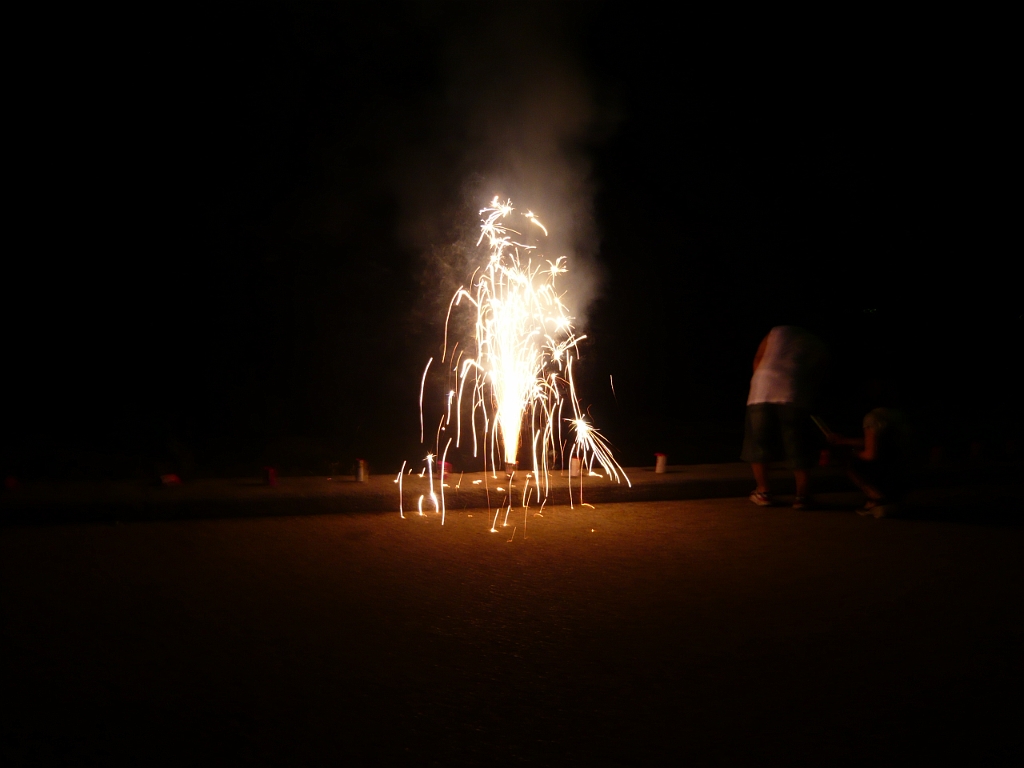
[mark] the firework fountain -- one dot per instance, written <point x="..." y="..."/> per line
<point x="515" y="377"/>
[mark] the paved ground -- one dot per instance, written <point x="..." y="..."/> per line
<point x="248" y="497"/>
<point x="251" y="497"/>
<point x="673" y="632"/>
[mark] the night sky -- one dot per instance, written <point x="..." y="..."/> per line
<point x="242" y="227"/>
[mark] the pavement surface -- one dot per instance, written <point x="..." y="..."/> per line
<point x="251" y="497"/>
<point x="691" y="632"/>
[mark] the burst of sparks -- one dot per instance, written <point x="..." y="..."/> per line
<point x="520" y="370"/>
<point x="514" y="377"/>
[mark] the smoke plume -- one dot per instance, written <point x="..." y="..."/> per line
<point x="514" y="117"/>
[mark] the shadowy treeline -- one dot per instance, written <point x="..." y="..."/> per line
<point x="245" y="290"/>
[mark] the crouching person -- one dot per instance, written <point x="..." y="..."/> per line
<point x="880" y="461"/>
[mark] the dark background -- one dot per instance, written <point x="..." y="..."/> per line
<point x="238" y="229"/>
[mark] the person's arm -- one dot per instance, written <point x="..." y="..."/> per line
<point x="867" y="446"/>
<point x="853" y="442"/>
<point x="760" y="352"/>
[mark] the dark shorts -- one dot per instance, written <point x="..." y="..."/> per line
<point x="778" y="432"/>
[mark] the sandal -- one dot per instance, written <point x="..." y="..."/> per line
<point x="874" y="507"/>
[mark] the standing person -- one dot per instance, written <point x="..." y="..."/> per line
<point x="786" y="369"/>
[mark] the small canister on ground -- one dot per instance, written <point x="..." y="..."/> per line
<point x="362" y="471"/>
<point x="660" y="462"/>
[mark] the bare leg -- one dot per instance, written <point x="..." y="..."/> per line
<point x="760" y="476"/>
<point x="801" y="481"/>
<point x="869" y="490"/>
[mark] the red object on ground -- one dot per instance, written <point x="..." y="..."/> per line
<point x="11" y="483"/>
<point x="270" y="476"/>
<point x="170" y="480"/>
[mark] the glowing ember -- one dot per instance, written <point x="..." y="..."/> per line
<point x="517" y="376"/>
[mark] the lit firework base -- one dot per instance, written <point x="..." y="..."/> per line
<point x="514" y="389"/>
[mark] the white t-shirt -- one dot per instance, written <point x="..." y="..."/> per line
<point x="789" y="368"/>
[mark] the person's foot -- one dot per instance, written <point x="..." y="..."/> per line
<point x="878" y="508"/>
<point x="802" y="502"/>
<point x="761" y="498"/>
